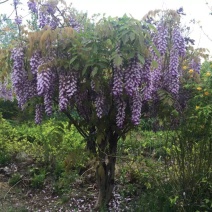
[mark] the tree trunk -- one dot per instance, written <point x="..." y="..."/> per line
<point x="91" y="144"/>
<point x="105" y="171"/>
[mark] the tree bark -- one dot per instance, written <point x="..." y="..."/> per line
<point x="91" y="143"/>
<point x="105" y="171"/>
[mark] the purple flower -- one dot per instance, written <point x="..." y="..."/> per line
<point x="38" y="113"/>
<point x="67" y="88"/>
<point x="32" y="6"/>
<point x="120" y="115"/>
<point x="136" y="108"/>
<point x="16" y="2"/>
<point x="117" y="82"/>
<point x="160" y="39"/>
<point x="195" y="64"/>
<point x="178" y="41"/>
<point x="18" y="20"/>
<point x="132" y="77"/>
<point x="100" y="105"/>
<point x="172" y="76"/>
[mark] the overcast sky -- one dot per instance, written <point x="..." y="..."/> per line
<point x="194" y="9"/>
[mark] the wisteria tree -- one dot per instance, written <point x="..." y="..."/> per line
<point x="102" y="74"/>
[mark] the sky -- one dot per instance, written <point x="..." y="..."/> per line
<point x="194" y="9"/>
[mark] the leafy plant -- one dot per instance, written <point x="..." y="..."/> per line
<point x="37" y="180"/>
<point x="16" y="178"/>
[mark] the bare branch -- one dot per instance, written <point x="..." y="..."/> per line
<point x="3" y="1"/>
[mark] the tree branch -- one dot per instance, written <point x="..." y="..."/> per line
<point x="3" y="1"/>
<point x="16" y="12"/>
<point x="80" y="130"/>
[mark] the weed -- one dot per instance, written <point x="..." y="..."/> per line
<point x="15" y="179"/>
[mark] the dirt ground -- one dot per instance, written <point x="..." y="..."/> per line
<point x="82" y="197"/>
<point x="22" y="199"/>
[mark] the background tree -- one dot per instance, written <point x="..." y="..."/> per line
<point x="8" y="31"/>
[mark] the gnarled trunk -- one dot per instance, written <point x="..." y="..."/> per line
<point x="91" y="143"/>
<point x="105" y="171"/>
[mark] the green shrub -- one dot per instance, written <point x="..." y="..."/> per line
<point x="37" y="181"/>
<point x="188" y="161"/>
<point x="5" y="158"/>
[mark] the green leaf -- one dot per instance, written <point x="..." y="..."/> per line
<point x="169" y="101"/>
<point x="95" y="49"/>
<point x="125" y="38"/>
<point x="152" y="27"/>
<point x="72" y="60"/>
<point x="117" y="60"/>
<point x="141" y="59"/>
<point x="94" y="71"/>
<point x="132" y="36"/>
<point x="154" y="64"/>
<point x="156" y="50"/>
<point x="84" y="70"/>
<point x="100" y="137"/>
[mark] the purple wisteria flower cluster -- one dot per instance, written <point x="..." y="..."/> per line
<point x="67" y="88"/>
<point x="195" y="64"/>
<point x="45" y="84"/>
<point x="33" y="7"/>
<point x="18" y="20"/>
<point x="136" y="108"/>
<point x="120" y="117"/>
<point x="46" y="13"/>
<point x="160" y="38"/>
<point x="6" y="93"/>
<point x="177" y="50"/>
<point x="18" y="74"/>
<point x="100" y="104"/>
<point x="38" y="113"/>
<point x="130" y="82"/>
<point x="118" y="78"/>
<point x="132" y="77"/>
<point x="162" y="76"/>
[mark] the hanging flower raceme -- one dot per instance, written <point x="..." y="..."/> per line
<point x="160" y="38"/>
<point x="5" y="93"/>
<point x="117" y="82"/>
<point x="75" y="24"/>
<point x="173" y="72"/>
<point x="178" y="42"/>
<point x="46" y="83"/>
<point x="195" y="65"/>
<point x="16" y="2"/>
<point x="33" y="7"/>
<point x="18" y="20"/>
<point x="120" y="115"/>
<point x="177" y="50"/>
<point x="35" y="62"/>
<point x="67" y="88"/>
<point x="136" y="108"/>
<point x="132" y="77"/>
<point x="38" y="113"/>
<point x="100" y="104"/>
<point x="47" y="15"/>
<point x="48" y="101"/>
<point x="19" y="75"/>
